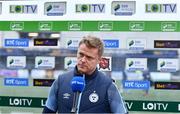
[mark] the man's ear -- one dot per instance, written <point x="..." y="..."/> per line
<point x="99" y="59"/>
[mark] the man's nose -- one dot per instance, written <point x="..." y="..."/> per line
<point x="83" y="59"/>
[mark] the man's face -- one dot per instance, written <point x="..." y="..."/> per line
<point x="87" y="59"/>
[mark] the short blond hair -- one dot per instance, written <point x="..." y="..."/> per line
<point x="93" y="42"/>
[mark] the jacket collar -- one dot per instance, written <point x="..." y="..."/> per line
<point x="87" y="77"/>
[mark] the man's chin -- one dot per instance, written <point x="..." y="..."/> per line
<point x="81" y="71"/>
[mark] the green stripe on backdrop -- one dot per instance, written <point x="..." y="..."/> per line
<point x="55" y="26"/>
<point x="132" y="105"/>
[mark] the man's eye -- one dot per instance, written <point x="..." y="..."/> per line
<point x="80" y="54"/>
<point x="89" y="58"/>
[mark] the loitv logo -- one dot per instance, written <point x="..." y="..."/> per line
<point x="155" y="106"/>
<point x="23" y="9"/>
<point x="161" y="8"/>
<point x="20" y="102"/>
<point x="129" y="105"/>
<point x="90" y="8"/>
<point x="43" y="102"/>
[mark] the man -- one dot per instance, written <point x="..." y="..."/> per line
<point x="100" y="94"/>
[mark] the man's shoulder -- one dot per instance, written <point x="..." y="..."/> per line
<point x="104" y="77"/>
<point x="66" y="75"/>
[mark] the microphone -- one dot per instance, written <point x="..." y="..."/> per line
<point x="77" y="84"/>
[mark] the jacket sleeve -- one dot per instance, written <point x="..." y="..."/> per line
<point x="116" y="101"/>
<point x="47" y="110"/>
<point x="51" y="103"/>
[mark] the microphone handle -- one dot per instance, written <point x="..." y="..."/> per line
<point x="73" y="110"/>
<point x="79" y="101"/>
<point x="75" y="102"/>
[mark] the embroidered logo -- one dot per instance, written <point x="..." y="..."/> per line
<point x="66" y="95"/>
<point x="93" y="97"/>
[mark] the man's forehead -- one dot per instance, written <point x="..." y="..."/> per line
<point x="93" y="52"/>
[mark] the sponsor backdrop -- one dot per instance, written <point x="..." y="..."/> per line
<point x="102" y="10"/>
<point x="39" y="41"/>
